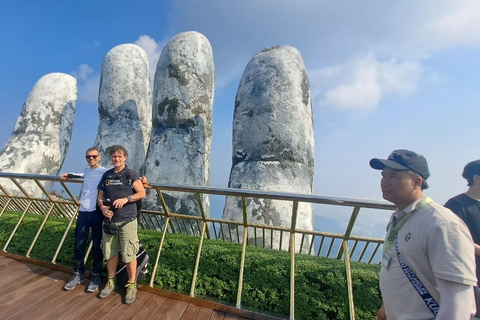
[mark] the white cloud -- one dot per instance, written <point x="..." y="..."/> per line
<point x="361" y="84"/>
<point x="94" y="44"/>
<point x="153" y="50"/>
<point x="88" y="83"/>
<point x="88" y="90"/>
<point x="458" y="24"/>
<point x="83" y="72"/>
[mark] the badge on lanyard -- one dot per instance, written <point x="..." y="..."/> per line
<point x="396" y="226"/>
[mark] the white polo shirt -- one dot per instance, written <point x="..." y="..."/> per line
<point x="435" y="244"/>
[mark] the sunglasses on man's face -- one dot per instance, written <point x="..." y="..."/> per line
<point x="91" y="157"/>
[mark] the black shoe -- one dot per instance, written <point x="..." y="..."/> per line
<point x="94" y="282"/>
<point x="76" y="279"/>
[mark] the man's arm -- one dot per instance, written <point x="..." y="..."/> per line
<point x="381" y="315"/>
<point x="105" y="209"/>
<point x="145" y="183"/>
<point x="454" y="297"/>
<point x="139" y="194"/>
<point x="71" y="175"/>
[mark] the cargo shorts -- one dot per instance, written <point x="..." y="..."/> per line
<point x="126" y="241"/>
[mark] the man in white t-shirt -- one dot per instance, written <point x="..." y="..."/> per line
<point x="425" y="241"/>
<point x="89" y="217"/>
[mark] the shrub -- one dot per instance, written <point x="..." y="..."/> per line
<point x="320" y="283"/>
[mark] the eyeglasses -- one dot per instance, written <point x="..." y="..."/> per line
<point x="91" y="157"/>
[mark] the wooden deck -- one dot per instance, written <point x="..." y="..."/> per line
<point x="31" y="289"/>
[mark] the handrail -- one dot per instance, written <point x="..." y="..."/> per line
<point x="212" y="228"/>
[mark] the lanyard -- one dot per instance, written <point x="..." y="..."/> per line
<point x="387" y="245"/>
<point x="417" y="284"/>
<point x="393" y="232"/>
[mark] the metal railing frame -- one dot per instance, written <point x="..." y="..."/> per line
<point x="24" y="202"/>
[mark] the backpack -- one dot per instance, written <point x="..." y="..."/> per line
<point x="142" y="263"/>
<point x="128" y="173"/>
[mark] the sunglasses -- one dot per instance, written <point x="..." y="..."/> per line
<point x="91" y="157"/>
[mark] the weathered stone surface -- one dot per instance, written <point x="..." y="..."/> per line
<point x="124" y="104"/>
<point x="179" y="150"/>
<point x="41" y="137"/>
<point x="273" y="144"/>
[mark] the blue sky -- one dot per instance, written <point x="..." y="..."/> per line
<point x="383" y="75"/>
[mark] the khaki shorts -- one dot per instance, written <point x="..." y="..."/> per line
<point x="126" y="240"/>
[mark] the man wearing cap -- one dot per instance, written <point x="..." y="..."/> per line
<point x="428" y="265"/>
<point x="467" y="205"/>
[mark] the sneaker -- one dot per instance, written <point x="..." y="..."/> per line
<point x="94" y="282"/>
<point x="109" y="287"/>
<point x="131" y="292"/>
<point x="76" y="279"/>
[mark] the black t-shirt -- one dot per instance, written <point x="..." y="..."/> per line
<point x="468" y="209"/>
<point x="120" y="185"/>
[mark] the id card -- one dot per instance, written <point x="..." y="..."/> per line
<point x="386" y="252"/>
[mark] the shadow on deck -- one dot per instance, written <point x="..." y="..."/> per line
<point x="32" y="289"/>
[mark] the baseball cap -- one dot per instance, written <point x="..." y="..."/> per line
<point x="471" y="169"/>
<point x="405" y="160"/>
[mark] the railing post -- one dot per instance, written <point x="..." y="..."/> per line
<point x="200" y="245"/>
<point x="244" y="250"/>
<point x="292" y="259"/>
<point x="349" y="229"/>
<point x="64" y="235"/>
<point x="165" y="230"/>
<point x="39" y="230"/>
<point x="348" y="276"/>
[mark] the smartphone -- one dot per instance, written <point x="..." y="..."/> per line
<point x="107" y="203"/>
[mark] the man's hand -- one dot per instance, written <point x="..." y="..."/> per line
<point x="107" y="213"/>
<point x="145" y="183"/>
<point x="119" y="203"/>
<point x="381" y="315"/>
<point x="63" y="176"/>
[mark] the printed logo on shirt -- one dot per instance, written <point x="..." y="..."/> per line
<point x="113" y="182"/>
<point x="408" y="236"/>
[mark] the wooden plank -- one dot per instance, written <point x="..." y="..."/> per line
<point x="108" y="306"/>
<point x="60" y="298"/>
<point x="204" y="314"/>
<point x="150" y="308"/>
<point x="164" y="309"/>
<point x="85" y="309"/>
<point x="22" y="286"/>
<point x="32" y="289"/>
<point x="177" y="311"/>
<point x="230" y="316"/>
<point x="142" y="300"/>
<point x="33" y="302"/>
<point x="190" y="312"/>
<point x="217" y="315"/>
<point x="5" y="262"/>
<point x="18" y="272"/>
<point x="77" y="300"/>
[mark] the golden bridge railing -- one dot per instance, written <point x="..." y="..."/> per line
<point x="15" y="197"/>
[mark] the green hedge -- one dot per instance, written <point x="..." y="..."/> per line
<point x="320" y="284"/>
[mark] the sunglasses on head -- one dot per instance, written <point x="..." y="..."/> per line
<point x="91" y="157"/>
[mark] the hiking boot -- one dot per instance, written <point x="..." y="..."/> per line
<point x="131" y="293"/>
<point x="76" y="279"/>
<point x="94" y="282"/>
<point x="109" y="287"/>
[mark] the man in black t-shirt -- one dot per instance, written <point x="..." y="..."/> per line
<point x="118" y="191"/>
<point x="467" y="206"/>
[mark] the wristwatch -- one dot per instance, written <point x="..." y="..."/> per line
<point x="129" y="199"/>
